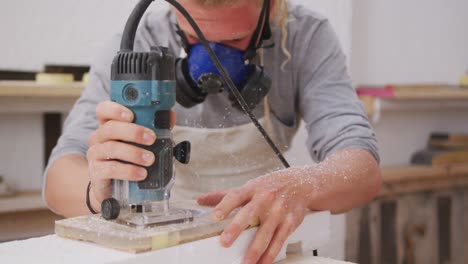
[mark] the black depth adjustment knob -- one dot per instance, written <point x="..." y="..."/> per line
<point x="110" y="209"/>
<point x="182" y="152"/>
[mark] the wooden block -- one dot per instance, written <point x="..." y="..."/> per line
<point x="136" y="240"/>
<point x="314" y="232"/>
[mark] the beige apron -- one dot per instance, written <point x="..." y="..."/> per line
<point x="224" y="157"/>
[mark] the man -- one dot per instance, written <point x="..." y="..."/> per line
<point x="309" y="81"/>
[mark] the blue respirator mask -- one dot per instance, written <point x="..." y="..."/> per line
<point x="197" y="77"/>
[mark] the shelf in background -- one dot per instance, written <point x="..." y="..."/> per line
<point x="22" y="201"/>
<point x="411" y="179"/>
<point x="34" y="89"/>
<point x="412" y="98"/>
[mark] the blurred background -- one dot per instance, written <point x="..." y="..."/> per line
<point x="409" y="63"/>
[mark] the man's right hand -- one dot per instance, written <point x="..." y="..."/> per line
<point x="107" y="149"/>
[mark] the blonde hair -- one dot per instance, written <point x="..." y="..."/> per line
<point x="280" y="17"/>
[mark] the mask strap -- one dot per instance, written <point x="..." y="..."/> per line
<point x="266" y="103"/>
<point x="183" y="38"/>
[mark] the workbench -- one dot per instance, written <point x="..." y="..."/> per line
<point x="313" y="233"/>
<point x="52" y="249"/>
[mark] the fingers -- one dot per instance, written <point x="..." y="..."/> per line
<point x="104" y="170"/>
<point x="243" y="219"/>
<point x="173" y="119"/>
<point x="233" y="199"/>
<point x="114" y="150"/>
<point x="108" y="110"/>
<point x="128" y="132"/>
<point x="212" y="199"/>
<point x="260" y="243"/>
<point x="282" y="233"/>
<point x="101" y="190"/>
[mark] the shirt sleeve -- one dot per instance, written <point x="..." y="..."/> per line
<point x="81" y="121"/>
<point x="334" y="116"/>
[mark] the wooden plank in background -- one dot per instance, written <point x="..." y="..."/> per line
<point x="33" y="89"/>
<point x="353" y="219"/>
<point x="422" y="220"/>
<point x="375" y="233"/>
<point x="388" y="238"/>
<point x="77" y="71"/>
<point x="429" y="92"/>
<point x="444" y="207"/>
<point x="425" y="227"/>
<point x="365" y="245"/>
<point x="415" y="92"/>
<point x="464" y="230"/>
<point x="458" y="224"/>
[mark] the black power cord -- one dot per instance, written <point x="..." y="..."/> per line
<point x="229" y="81"/>
<point x="128" y="41"/>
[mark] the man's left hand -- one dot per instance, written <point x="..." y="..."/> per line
<point x="278" y="201"/>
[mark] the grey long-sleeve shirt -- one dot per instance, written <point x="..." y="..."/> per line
<point x="314" y="86"/>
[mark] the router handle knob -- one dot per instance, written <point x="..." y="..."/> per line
<point x="110" y="209"/>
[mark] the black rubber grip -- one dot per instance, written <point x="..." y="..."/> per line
<point x="162" y="120"/>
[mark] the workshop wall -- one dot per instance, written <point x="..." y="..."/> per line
<point x="410" y="42"/>
<point x="55" y="31"/>
<point x="71" y="32"/>
<point x="414" y="41"/>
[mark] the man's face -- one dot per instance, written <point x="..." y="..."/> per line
<point x="230" y="25"/>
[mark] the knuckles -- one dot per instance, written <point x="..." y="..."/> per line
<point x="107" y="128"/>
<point x="105" y="107"/>
<point x="100" y="109"/>
<point x="92" y="139"/>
